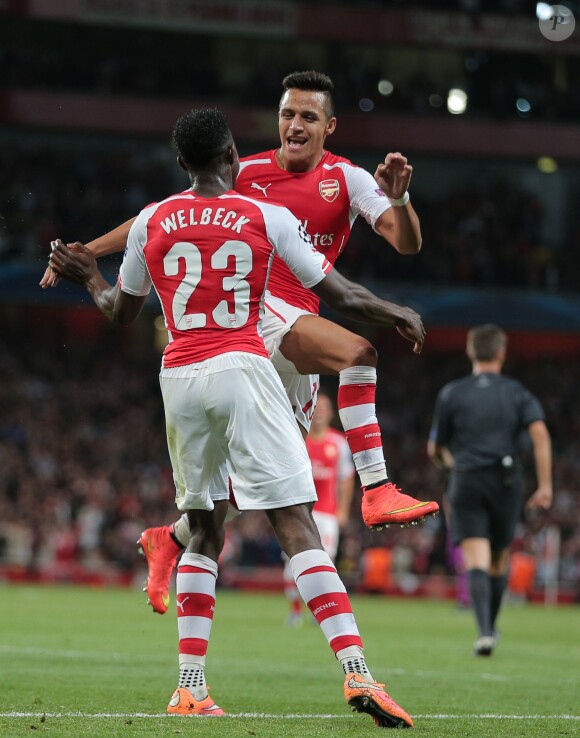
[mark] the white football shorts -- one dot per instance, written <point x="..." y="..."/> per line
<point x="301" y="389"/>
<point x="328" y="528"/>
<point x="229" y="415"/>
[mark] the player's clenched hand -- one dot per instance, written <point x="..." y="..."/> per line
<point x="410" y="326"/>
<point x="73" y="262"/>
<point x="394" y="176"/>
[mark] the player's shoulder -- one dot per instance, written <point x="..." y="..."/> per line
<point x="159" y="207"/>
<point x="334" y="160"/>
<point x="263" y="159"/>
<point x="333" y="167"/>
<point x="456" y="386"/>
<point x="509" y="381"/>
<point x="515" y="388"/>
<point x="172" y="200"/>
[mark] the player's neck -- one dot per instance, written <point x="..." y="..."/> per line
<point x="298" y="166"/>
<point x="211" y="184"/>
<point x="317" y="434"/>
<point x="487" y="367"/>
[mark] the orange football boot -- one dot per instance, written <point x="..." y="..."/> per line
<point x="182" y="702"/>
<point x="161" y="552"/>
<point x="371" y="697"/>
<point x="387" y="505"/>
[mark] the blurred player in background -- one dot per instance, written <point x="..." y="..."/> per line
<point x="207" y="252"/>
<point x="326" y="193"/>
<point x="333" y="473"/>
<point x="476" y="435"/>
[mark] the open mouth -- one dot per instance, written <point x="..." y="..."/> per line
<point x="296" y="143"/>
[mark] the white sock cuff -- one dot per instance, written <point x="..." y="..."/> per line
<point x="202" y="562"/>
<point x="350" y="652"/>
<point x="191" y="661"/>
<point x="309" y="559"/>
<point x="358" y="375"/>
<point x="181" y="529"/>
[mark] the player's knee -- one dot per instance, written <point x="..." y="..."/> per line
<point x="362" y="353"/>
<point x="207" y="537"/>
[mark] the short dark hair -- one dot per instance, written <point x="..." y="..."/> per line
<point x="201" y="135"/>
<point x="313" y="81"/>
<point x="484" y="342"/>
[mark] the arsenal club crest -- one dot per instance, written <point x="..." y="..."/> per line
<point x="329" y="189"/>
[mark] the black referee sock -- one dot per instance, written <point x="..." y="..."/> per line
<point x="480" y="591"/>
<point x="497" y="586"/>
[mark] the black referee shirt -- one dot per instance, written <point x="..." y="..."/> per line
<point x="480" y="417"/>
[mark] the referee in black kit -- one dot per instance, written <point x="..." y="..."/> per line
<point x="475" y="434"/>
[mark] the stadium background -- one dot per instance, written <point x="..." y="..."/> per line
<point x="89" y="91"/>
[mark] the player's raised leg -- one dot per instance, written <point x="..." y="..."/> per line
<point x="317" y="346"/>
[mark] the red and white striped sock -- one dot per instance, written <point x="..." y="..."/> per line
<point x="325" y="595"/>
<point x="195" y="583"/>
<point x="357" y="410"/>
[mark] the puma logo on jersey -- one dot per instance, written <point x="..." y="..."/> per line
<point x="256" y="186"/>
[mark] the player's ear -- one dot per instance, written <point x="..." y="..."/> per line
<point x="181" y="163"/>
<point x="330" y="126"/>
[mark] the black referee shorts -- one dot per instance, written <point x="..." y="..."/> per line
<point x="483" y="505"/>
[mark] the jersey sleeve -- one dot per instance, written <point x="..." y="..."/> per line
<point x="134" y="276"/>
<point x="366" y="197"/>
<point x="292" y="243"/>
<point x="530" y="407"/>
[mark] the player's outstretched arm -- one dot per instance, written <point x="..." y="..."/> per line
<point x="356" y="302"/>
<point x="399" y="225"/>
<point x="77" y="263"/>
<point x="112" y="242"/>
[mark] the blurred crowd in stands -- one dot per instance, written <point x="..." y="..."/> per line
<point x="83" y="460"/>
<point x="84" y="466"/>
<point x="477" y="234"/>
<point x="247" y="70"/>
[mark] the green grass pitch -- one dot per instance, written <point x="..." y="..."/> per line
<point x="90" y="662"/>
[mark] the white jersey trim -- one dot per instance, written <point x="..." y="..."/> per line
<point x="249" y="162"/>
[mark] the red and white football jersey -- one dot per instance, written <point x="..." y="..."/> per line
<point x="331" y="463"/>
<point x="326" y="200"/>
<point x="208" y="259"/>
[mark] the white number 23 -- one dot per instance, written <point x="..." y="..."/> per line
<point x="235" y="283"/>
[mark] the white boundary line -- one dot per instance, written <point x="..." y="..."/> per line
<point x="271" y="716"/>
